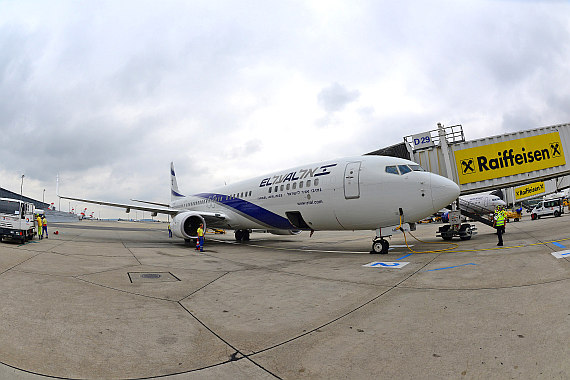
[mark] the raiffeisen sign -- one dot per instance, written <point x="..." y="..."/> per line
<point x="509" y="158"/>
<point x="529" y="190"/>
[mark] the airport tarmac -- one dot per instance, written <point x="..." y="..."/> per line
<point x="112" y="300"/>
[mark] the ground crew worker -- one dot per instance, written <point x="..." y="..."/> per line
<point x="169" y="231"/>
<point x="200" y="241"/>
<point x="44" y="227"/>
<point x="40" y="229"/>
<point x="499" y="224"/>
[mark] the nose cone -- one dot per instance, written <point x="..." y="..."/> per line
<point x="443" y="191"/>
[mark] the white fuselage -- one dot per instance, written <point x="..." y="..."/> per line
<point x="363" y="192"/>
<point x="485" y="201"/>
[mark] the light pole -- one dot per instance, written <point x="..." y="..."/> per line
<point x="22" y="188"/>
<point x="44" y="196"/>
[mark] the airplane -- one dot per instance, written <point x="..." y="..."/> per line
<point x="353" y="193"/>
<point x="486" y="201"/>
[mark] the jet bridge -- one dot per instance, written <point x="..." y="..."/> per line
<point x="501" y="161"/>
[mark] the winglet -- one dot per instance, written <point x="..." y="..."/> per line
<point x="174" y="192"/>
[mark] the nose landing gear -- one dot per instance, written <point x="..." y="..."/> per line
<point x="380" y="245"/>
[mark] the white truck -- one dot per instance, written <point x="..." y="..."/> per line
<point x="548" y="207"/>
<point x="17" y="221"/>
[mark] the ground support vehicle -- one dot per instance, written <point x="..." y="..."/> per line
<point x="513" y="215"/>
<point x="455" y="228"/>
<point x="16" y="220"/>
<point x="547" y="207"/>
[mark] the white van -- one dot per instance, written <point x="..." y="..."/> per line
<point x="547" y="207"/>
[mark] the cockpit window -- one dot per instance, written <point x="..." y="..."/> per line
<point x="416" y="168"/>
<point x="404" y="169"/>
<point x="392" y="170"/>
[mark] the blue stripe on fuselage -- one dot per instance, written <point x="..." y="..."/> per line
<point x="260" y="214"/>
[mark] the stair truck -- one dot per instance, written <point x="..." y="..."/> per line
<point x="17" y="221"/>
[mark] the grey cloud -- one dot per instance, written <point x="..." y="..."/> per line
<point x="336" y="97"/>
<point x="241" y="151"/>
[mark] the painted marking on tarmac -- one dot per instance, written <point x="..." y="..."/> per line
<point x="561" y="254"/>
<point x="558" y="244"/>
<point x="455" y="266"/>
<point x="403" y="257"/>
<point x="386" y="264"/>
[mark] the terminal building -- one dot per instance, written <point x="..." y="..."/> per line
<point x="10" y="194"/>
<point x="51" y="215"/>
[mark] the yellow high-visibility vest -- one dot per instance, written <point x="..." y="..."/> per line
<point x="200" y="232"/>
<point x="500" y="219"/>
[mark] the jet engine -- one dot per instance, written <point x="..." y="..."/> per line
<point x="284" y="232"/>
<point x="185" y="225"/>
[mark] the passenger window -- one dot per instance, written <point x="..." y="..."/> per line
<point x="282" y="187"/>
<point x="276" y="188"/>
<point x="288" y="186"/>
<point x="404" y="169"/>
<point x="316" y="182"/>
<point x="294" y="185"/>
<point x="308" y="183"/>
<point x="392" y="170"/>
<point x="270" y="189"/>
<point x="301" y="185"/>
<point x="250" y="193"/>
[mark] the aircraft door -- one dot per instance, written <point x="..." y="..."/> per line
<point x="352" y="180"/>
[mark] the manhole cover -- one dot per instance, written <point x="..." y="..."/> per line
<point x="152" y="277"/>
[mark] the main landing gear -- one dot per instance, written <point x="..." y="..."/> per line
<point x="242" y="235"/>
<point x="379" y="244"/>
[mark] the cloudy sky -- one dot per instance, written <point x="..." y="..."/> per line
<point x="107" y="93"/>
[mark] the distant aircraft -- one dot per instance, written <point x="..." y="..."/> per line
<point x="487" y="201"/>
<point x="354" y="193"/>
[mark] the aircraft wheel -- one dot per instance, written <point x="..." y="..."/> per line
<point x="239" y="235"/>
<point x="380" y="246"/>
<point x="245" y="235"/>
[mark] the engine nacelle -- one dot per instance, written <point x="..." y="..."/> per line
<point x="284" y="232"/>
<point x="185" y="225"/>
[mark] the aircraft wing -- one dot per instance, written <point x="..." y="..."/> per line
<point x="213" y="218"/>
<point x="158" y="210"/>
<point x="151" y="203"/>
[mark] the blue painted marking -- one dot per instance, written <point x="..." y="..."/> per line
<point x="564" y="254"/>
<point x="385" y="265"/>
<point x="403" y="257"/>
<point x="252" y="210"/>
<point x="456" y="266"/>
<point x="558" y="244"/>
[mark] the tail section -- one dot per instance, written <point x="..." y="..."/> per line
<point x="174" y="192"/>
